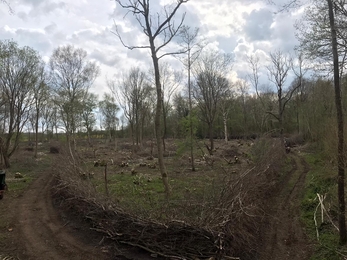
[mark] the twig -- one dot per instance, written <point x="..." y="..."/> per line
<point x="315" y="221"/>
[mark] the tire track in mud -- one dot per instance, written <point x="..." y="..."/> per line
<point x="285" y="236"/>
<point x="42" y="233"/>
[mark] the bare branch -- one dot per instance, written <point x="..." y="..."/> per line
<point x="125" y="45"/>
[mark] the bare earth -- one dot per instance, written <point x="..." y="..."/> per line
<point x="38" y="231"/>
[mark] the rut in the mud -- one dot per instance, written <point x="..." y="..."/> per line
<point x="286" y="238"/>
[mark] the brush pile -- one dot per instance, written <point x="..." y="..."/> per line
<point x="226" y="227"/>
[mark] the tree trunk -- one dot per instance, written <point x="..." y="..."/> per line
<point x="225" y="120"/>
<point x="132" y="137"/>
<point x="164" y="124"/>
<point x="210" y="134"/>
<point x="339" y="113"/>
<point x="36" y="133"/>
<point x="106" y="182"/>
<point x="190" y="115"/>
<point x="88" y="136"/>
<point x="7" y="162"/>
<point x="158" y="126"/>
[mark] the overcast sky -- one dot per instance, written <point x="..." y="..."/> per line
<point x="240" y="27"/>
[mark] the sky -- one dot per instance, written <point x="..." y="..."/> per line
<point x="239" y="27"/>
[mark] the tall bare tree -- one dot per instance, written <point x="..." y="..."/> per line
<point x="314" y="34"/>
<point x="278" y="70"/>
<point x="71" y="77"/>
<point x="159" y="30"/>
<point x="193" y="45"/>
<point x="40" y="98"/>
<point x="88" y="114"/>
<point x="211" y="86"/>
<point x="243" y="88"/>
<point x="254" y="77"/>
<point x="133" y="93"/>
<point x="170" y="81"/>
<point x="340" y="126"/>
<point x="109" y="110"/>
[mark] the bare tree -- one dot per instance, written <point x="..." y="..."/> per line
<point x="19" y="72"/>
<point x="71" y="77"/>
<point x="281" y="65"/>
<point x="170" y="81"/>
<point x="211" y="86"/>
<point x="340" y="125"/>
<point x="88" y="115"/>
<point x="314" y="34"/>
<point x="132" y="94"/>
<point x="299" y="70"/>
<point x="159" y="31"/>
<point x="193" y="46"/>
<point x="40" y="98"/>
<point x="243" y="88"/>
<point x="331" y="46"/>
<point x="46" y="118"/>
<point x="254" y="77"/>
<point x="109" y="110"/>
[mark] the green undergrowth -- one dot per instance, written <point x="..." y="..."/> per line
<point x="29" y="168"/>
<point x="322" y="180"/>
<point x="143" y="194"/>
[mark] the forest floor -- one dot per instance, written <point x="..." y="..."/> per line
<point x="31" y="227"/>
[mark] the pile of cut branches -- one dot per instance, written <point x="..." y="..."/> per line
<point x="228" y="227"/>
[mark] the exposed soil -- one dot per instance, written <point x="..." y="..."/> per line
<point x="284" y="235"/>
<point x="40" y="233"/>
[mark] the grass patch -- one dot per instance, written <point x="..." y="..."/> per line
<point x="29" y="167"/>
<point x="321" y="179"/>
<point x="143" y="194"/>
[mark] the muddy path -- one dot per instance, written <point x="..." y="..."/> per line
<point x="284" y="235"/>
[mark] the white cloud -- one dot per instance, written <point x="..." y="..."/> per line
<point x="241" y="27"/>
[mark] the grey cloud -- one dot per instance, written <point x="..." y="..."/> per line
<point x="105" y="37"/>
<point x="50" y="28"/>
<point x="284" y="32"/>
<point x="109" y="59"/>
<point x="241" y="52"/>
<point x="50" y="7"/>
<point x="45" y="8"/>
<point x="34" y="39"/>
<point x="33" y="2"/>
<point x="141" y="56"/>
<point x="258" y="24"/>
<point x="191" y="18"/>
<point x="22" y="15"/>
<point x="227" y="43"/>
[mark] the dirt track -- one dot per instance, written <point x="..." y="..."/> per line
<point x="286" y="238"/>
<point x="42" y="233"/>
